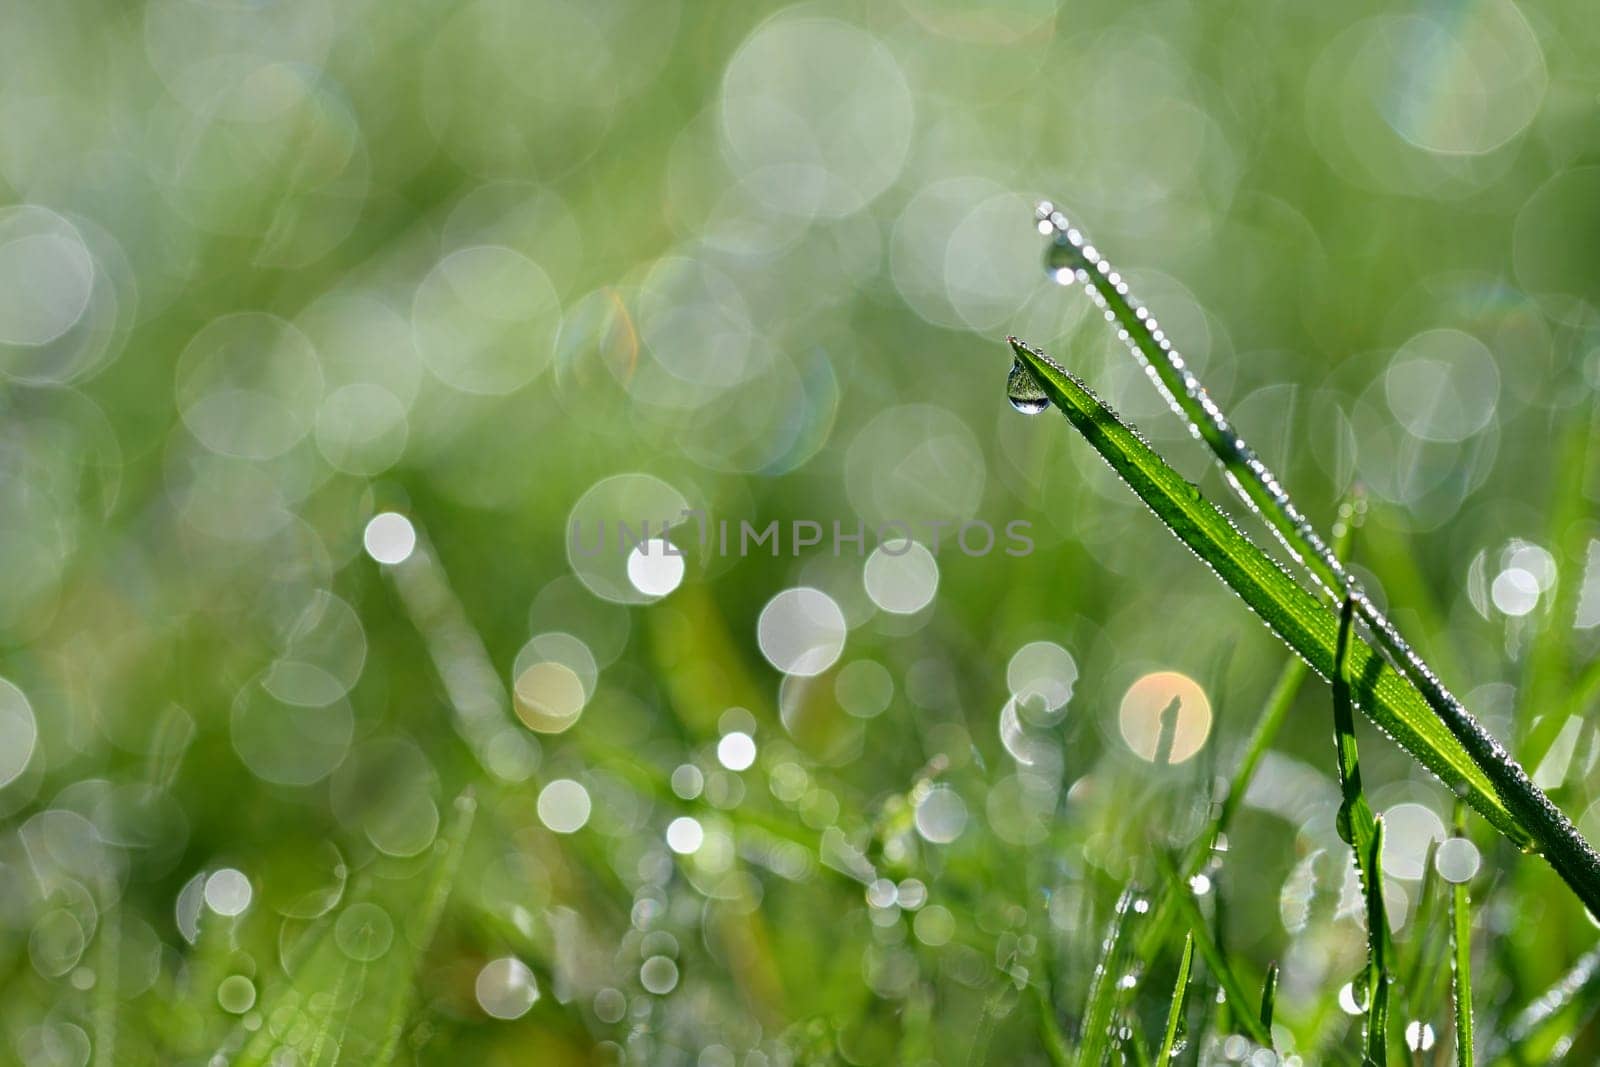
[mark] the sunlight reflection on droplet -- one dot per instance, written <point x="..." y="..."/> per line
<point x="799" y="99"/>
<point x="506" y="988"/>
<point x="736" y="751"/>
<point x="1457" y="859"/>
<point x="249" y="385"/>
<point x="1515" y="591"/>
<point x="1443" y="385"/>
<point x="549" y="697"/>
<point x="1043" y="672"/>
<point x="685" y="835"/>
<point x="801" y="631"/>
<point x="19" y="732"/>
<point x="941" y="815"/>
<point x="389" y="538"/>
<point x="228" y="892"/>
<point x="934" y="925"/>
<point x="610" y="1005"/>
<point x="863" y="688"/>
<point x="45" y="283"/>
<point x="687" y="781"/>
<point x="564" y="806"/>
<point x="659" y="975"/>
<point x="485" y="319"/>
<point x="655" y="567"/>
<point x="901" y="577"/>
<point x="1165" y="717"/>
<point x="236" y="994"/>
<point x="364" y="931"/>
<point x="1419" y="1036"/>
<point x="1408" y="830"/>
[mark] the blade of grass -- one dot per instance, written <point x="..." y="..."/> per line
<point x="1279" y="700"/>
<point x="1154" y="933"/>
<point x="1461" y="966"/>
<point x="1533" y="1024"/>
<point x="1548" y="660"/>
<point x="106" y="999"/>
<point x="1305" y="625"/>
<point x="1377" y="954"/>
<point x="1269" y="995"/>
<point x="1070" y="258"/>
<point x="1133" y="1047"/>
<point x="1180" y="996"/>
<point x="1055" y="1042"/>
<point x="1094" y="1037"/>
<point x="1416" y="962"/>
<point x="447" y="865"/>
<point x="1363" y="832"/>
<point x="1355" y="822"/>
<point x="1215" y="960"/>
<point x="1395" y="702"/>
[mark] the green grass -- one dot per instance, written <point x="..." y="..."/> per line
<point x="501" y="253"/>
<point x="1389" y="680"/>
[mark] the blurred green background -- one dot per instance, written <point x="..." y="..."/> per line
<point x="285" y="783"/>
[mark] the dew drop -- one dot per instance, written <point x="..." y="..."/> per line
<point x="1024" y="391"/>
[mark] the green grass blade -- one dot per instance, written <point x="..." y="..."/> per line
<point x="1133" y="1047"/>
<point x="1413" y="708"/>
<point x="1461" y="970"/>
<point x="1055" y="1042"/>
<point x="1094" y="1037"/>
<point x="1154" y="933"/>
<point x="1542" y="1023"/>
<point x="1237" y="995"/>
<point x="424" y="922"/>
<point x="1072" y="259"/>
<point x="1548" y="661"/>
<point x="1269" y="995"/>
<point x="1279" y="701"/>
<point x="1294" y="615"/>
<point x="1180" y="998"/>
<point x="1273" y="713"/>
<point x="1355" y="821"/>
<point x="1377" y="954"/>
<point x="1364" y="834"/>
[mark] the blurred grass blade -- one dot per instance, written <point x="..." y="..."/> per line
<point x="1180" y="998"/>
<point x="1094" y="1037"/>
<point x="1274" y="711"/>
<point x="1542" y="1024"/>
<point x="1461" y="970"/>
<point x="1279" y="701"/>
<point x="1055" y="1042"/>
<point x="1071" y="258"/>
<point x="425" y="922"/>
<point x="1377" y="954"/>
<point x="1269" y="995"/>
<point x="1292" y="613"/>
<point x="1548" y="660"/>
<point x="1235" y="990"/>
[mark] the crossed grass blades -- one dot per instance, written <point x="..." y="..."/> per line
<point x="1378" y="672"/>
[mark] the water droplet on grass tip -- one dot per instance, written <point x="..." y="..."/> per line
<point x="1024" y="391"/>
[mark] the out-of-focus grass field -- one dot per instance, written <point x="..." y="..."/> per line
<point x="327" y="330"/>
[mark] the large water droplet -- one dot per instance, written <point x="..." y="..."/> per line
<point x="1062" y="260"/>
<point x="1024" y="390"/>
